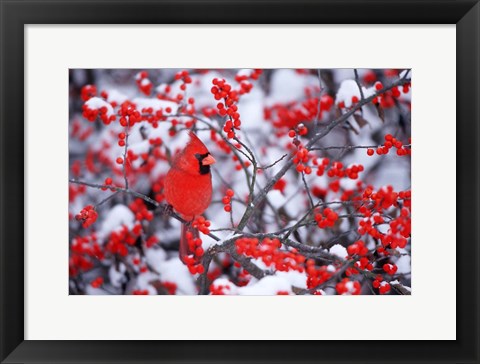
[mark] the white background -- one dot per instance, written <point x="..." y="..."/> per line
<point x="51" y="314"/>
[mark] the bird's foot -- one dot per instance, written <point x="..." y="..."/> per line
<point x="167" y="209"/>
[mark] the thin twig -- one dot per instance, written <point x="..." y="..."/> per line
<point x="274" y="163"/>
<point x="357" y="80"/>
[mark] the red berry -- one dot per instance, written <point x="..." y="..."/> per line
<point x="226" y="200"/>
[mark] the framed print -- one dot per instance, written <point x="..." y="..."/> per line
<point x="204" y="181"/>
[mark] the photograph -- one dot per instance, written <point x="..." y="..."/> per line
<point x="254" y="182"/>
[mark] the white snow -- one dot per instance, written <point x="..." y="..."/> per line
<point x="155" y="257"/>
<point x="287" y="85"/>
<point x="295" y="278"/>
<point x="175" y="271"/>
<point x="339" y="251"/>
<point x="145" y="82"/>
<point x="269" y="285"/>
<point x="96" y="103"/>
<point x="403" y="264"/>
<point x="117" y="277"/>
<point x="348" y="89"/>
<point x="276" y="198"/>
<point x="115" y="218"/>
<point x="143" y="282"/>
<point x="116" y="96"/>
<point x="228" y="288"/>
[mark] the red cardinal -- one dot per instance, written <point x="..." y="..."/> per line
<point x="188" y="186"/>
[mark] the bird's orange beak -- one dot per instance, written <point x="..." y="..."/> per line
<point x="208" y="160"/>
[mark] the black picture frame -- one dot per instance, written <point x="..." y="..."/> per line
<point x="15" y="14"/>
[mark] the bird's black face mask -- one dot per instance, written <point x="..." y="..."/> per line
<point x="203" y="168"/>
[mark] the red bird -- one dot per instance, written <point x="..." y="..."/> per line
<point x="188" y="186"/>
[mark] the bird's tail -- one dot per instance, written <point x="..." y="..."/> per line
<point x="185" y="249"/>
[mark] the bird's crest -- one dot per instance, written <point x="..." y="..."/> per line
<point x="195" y="144"/>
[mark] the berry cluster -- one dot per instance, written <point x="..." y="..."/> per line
<point x="384" y="198"/>
<point x="364" y="264"/>
<point x="87" y="216"/>
<point x="83" y="250"/>
<point x="391" y="142"/>
<point x="140" y="210"/>
<point x="361" y="264"/>
<point x="151" y="241"/>
<point x="185" y="78"/>
<point x="321" y="166"/>
<point x="202" y="225"/>
<point x="170" y="287"/>
<point x="140" y="292"/>
<point x="108" y="182"/>
<point x="224" y="91"/>
<point x="87" y="245"/>
<point x="300" y="129"/>
<point x="227" y="200"/>
<point x="317" y="276"/>
<point x="88" y="91"/>
<point x="194" y="247"/>
<point x="119" y="239"/>
<point x="400" y="227"/>
<point x="97" y="282"/>
<point x="143" y="83"/>
<point x="129" y="115"/>
<point x="75" y="191"/>
<point x="348" y="287"/>
<point x="246" y="75"/>
<point x="399" y="232"/>
<point x="78" y="263"/>
<point x="357" y="248"/>
<point x="301" y="159"/>
<point x="220" y="289"/>
<point x="386" y="99"/>
<point x="351" y="172"/>
<point x="325" y="219"/>
<point x="382" y="286"/>
<point x="390" y="269"/>
<point x="157" y="188"/>
<point x="268" y="250"/>
<point x="121" y="139"/>
<point x="290" y="114"/>
<point x="96" y="107"/>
